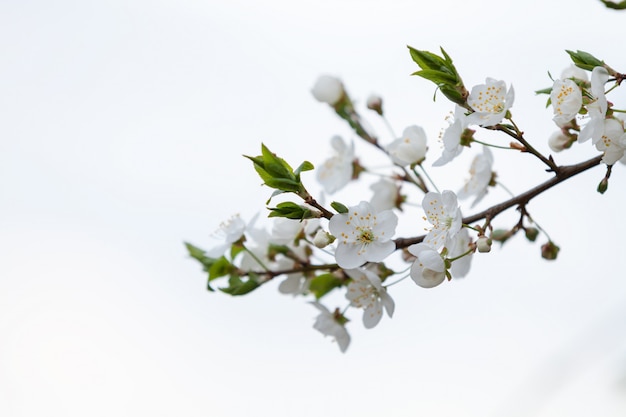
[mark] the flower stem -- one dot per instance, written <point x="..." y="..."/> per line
<point x="427" y="176"/>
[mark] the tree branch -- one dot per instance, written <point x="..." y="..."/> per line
<point x="562" y="174"/>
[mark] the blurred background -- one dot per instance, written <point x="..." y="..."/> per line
<point x="122" y="129"/>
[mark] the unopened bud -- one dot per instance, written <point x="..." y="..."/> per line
<point x="549" y="251"/>
<point x="323" y="239"/>
<point x="375" y="103"/>
<point x="532" y="233"/>
<point x="500" y="235"/>
<point x="518" y="146"/>
<point x="558" y="141"/>
<point x="603" y="186"/>
<point x="483" y="244"/>
<point x="328" y="89"/>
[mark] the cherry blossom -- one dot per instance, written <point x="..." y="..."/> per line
<point x="490" y="102"/>
<point x="386" y="195"/>
<point x="229" y="232"/>
<point x="613" y="141"/>
<point x="457" y="246"/>
<point x="366" y="291"/>
<point x="594" y="129"/>
<point x="566" y="98"/>
<point x="572" y="71"/>
<point x="410" y="148"/>
<point x="452" y="146"/>
<point x="329" y="324"/>
<point x="442" y="211"/>
<point x="429" y="269"/>
<point x="336" y="171"/>
<point x="363" y="235"/>
<point x="480" y="177"/>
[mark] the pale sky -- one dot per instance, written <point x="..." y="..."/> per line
<point x="122" y="129"/>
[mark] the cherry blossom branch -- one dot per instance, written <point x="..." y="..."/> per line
<point x="562" y="173"/>
<point x="519" y="136"/>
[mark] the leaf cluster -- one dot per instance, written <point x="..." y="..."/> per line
<point x="441" y="71"/>
<point x="277" y="173"/>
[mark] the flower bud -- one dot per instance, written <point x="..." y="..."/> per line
<point x="558" y="141"/>
<point x="328" y="89"/>
<point x="603" y="186"/>
<point x="532" y="233"/>
<point x="549" y="251"/>
<point x="483" y="244"/>
<point x="574" y="72"/>
<point x="500" y="235"/>
<point x="323" y="239"/>
<point x="375" y="103"/>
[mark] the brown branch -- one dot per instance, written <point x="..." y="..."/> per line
<point x="562" y="174"/>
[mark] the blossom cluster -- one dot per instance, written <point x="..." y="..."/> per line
<point x="352" y="250"/>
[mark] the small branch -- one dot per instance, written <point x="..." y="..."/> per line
<point x="302" y="269"/>
<point x="312" y="202"/>
<point x="562" y="174"/>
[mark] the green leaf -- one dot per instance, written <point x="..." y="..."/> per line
<point x="323" y="284"/>
<point x="236" y="286"/>
<point x="442" y="72"/>
<point x="220" y="267"/>
<point x="339" y="208"/>
<point x="305" y="166"/>
<point x="199" y="255"/>
<point x="544" y="91"/>
<point x="235" y="249"/>
<point x="585" y="60"/>
<point x="615" y="6"/>
<point x="291" y="211"/>
<point x="275" y="165"/>
<point x="437" y="77"/>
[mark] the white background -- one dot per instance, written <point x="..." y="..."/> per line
<point x="122" y="125"/>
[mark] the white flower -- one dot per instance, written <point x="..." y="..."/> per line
<point x="442" y="211"/>
<point x="429" y="269"/>
<point x="574" y="72"/>
<point x="594" y="128"/>
<point x="558" y="141"/>
<point x="327" y="323"/>
<point x="336" y="171"/>
<point x="386" y="194"/>
<point x="566" y="98"/>
<point x="480" y="177"/>
<point x="294" y="284"/>
<point x="363" y="235"/>
<point x="410" y="148"/>
<point x="328" y="89"/>
<point x="229" y="232"/>
<point x="452" y="137"/>
<point x="322" y="239"/>
<point x="490" y="102"/>
<point x="366" y="291"/>
<point x="613" y="142"/>
<point x="457" y="246"/>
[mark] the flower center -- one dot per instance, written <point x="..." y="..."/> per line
<point x="366" y="235"/>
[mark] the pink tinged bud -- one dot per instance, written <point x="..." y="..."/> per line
<point x="549" y="251"/>
<point x="375" y="103"/>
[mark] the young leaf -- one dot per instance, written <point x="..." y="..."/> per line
<point x="323" y="284"/>
<point x="236" y="286"/>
